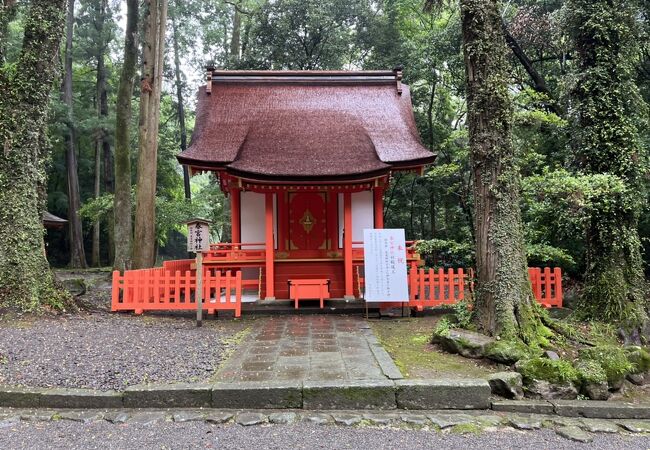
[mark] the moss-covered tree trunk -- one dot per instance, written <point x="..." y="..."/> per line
<point x="155" y="23"/>
<point x="605" y="118"/>
<point x="26" y="281"/>
<point x="505" y="305"/>
<point x="123" y="228"/>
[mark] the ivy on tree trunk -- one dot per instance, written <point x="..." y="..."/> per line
<point x="26" y="282"/>
<point x="505" y="305"/>
<point x="605" y="116"/>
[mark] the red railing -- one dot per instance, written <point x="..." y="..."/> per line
<point x="235" y="252"/>
<point x="161" y="289"/>
<point x="547" y="285"/>
<point x="431" y="288"/>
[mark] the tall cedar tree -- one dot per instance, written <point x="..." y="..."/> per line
<point x="123" y="229"/>
<point x="26" y="281"/>
<point x="75" y="228"/>
<point x="505" y="305"/>
<point x="153" y="46"/>
<point x="605" y="117"/>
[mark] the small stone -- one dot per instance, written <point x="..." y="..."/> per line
<point x="599" y="426"/>
<point x="449" y="420"/>
<point x="551" y="355"/>
<point x="37" y="416"/>
<point x="636" y="426"/>
<point x="219" y="417"/>
<point x="117" y="417"/>
<point x="188" y="416"/>
<point x="540" y="389"/>
<point x="507" y="384"/>
<point x="81" y="416"/>
<point x="346" y="419"/>
<point x="283" y="418"/>
<point x="574" y="433"/>
<point x="490" y="420"/>
<point x="377" y="419"/>
<point x="597" y="391"/>
<point x="8" y="421"/>
<point x="147" y="418"/>
<point x="466" y="343"/>
<point x="414" y="419"/>
<point x="525" y="423"/>
<point x="248" y="419"/>
<point x="318" y="419"/>
<point x="636" y="378"/>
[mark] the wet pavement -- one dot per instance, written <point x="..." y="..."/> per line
<point x="298" y="348"/>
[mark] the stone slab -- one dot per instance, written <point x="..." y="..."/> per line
<point x="80" y="398"/>
<point x="601" y="409"/>
<point x="19" y="397"/>
<point x="180" y="395"/>
<point x="257" y="395"/>
<point x="524" y="406"/>
<point x="349" y="394"/>
<point x="443" y="394"/>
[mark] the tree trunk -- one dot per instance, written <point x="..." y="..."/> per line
<point x="235" y="40"/>
<point x="180" y="105"/>
<point x="103" y="147"/>
<point x="144" y="249"/>
<point x="77" y="252"/>
<point x="123" y="232"/>
<point x="605" y="113"/>
<point x="505" y="305"/>
<point x="26" y="282"/>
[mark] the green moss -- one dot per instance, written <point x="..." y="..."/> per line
<point x="554" y="371"/>
<point x="507" y="351"/>
<point x="590" y="371"/>
<point x="612" y="359"/>
<point x="639" y="358"/>
<point x="466" y="428"/>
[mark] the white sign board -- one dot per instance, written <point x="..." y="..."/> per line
<point x="384" y="254"/>
<point x="198" y="237"/>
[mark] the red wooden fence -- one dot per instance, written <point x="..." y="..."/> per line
<point x="431" y="288"/>
<point x="162" y="289"/>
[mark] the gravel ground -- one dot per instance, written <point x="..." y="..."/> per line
<point x="74" y="435"/>
<point x="111" y="351"/>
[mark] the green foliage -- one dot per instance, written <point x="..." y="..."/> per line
<point x="456" y="254"/>
<point x="443" y="326"/>
<point x="591" y="371"/>
<point x="464" y="313"/>
<point x="639" y="357"/>
<point x="554" y="371"/>
<point x="611" y="358"/>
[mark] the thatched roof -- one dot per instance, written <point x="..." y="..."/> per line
<point x="312" y="125"/>
<point x="52" y="221"/>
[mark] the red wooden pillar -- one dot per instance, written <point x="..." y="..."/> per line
<point x="235" y="215"/>
<point x="378" y="195"/>
<point x="270" y="272"/>
<point x="347" y="244"/>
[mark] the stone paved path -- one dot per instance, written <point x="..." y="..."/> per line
<point x="305" y="348"/>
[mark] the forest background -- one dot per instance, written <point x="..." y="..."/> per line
<point x="333" y="34"/>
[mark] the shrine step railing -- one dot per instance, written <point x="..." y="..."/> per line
<point x="165" y="289"/>
<point x="432" y="288"/>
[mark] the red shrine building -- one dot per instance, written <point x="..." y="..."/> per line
<point x="305" y="158"/>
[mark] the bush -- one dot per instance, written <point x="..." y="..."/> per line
<point x="591" y="372"/>
<point x="553" y="371"/>
<point x="612" y="359"/>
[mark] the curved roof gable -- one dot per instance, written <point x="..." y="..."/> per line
<point x="305" y="125"/>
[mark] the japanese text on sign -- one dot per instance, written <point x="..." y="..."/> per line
<point x="385" y="265"/>
<point x="198" y="237"/>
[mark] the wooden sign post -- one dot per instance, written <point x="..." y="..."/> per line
<point x="198" y="241"/>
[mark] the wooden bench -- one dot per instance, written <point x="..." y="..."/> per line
<point x="309" y="289"/>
